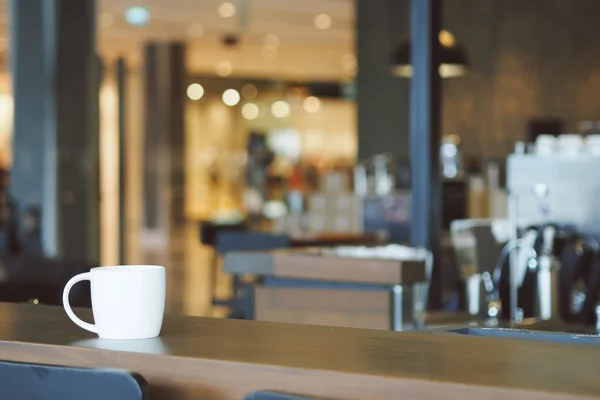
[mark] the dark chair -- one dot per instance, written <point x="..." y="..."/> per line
<point x="20" y="381"/>
<point x="210" y="230"/>
<point x="274" y="396"/>
<point x="250" y="241"/>
<point x="241" y="304"/>
<point x="31" y="242"/>
<point x="9" y="228"/>
<point x="28" y="277"/>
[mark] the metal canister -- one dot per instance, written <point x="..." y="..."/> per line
<point x="547" y="299"/>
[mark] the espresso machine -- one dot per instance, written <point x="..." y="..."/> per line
<point x="550" y="268"/>
<point x="543" y="262"/>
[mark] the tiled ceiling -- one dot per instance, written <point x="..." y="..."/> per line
<point x="303" y="52"/>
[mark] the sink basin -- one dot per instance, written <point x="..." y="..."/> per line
<point x="520" y="334"/>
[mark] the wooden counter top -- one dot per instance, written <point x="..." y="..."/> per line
<point x="205" y="358"/>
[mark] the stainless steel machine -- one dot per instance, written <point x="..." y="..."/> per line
<point x="544" y="262"/>
<point x="558" y="188"/>
<point x="554" y="194"/>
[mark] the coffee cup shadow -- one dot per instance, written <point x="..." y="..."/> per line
<point x="148" y="346"/>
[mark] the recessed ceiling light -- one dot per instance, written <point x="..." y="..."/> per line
<point x="250" y="111"/>
<point x="323" y="21"/>
<point x="271" y="41"/>
<point x="195" y="91"/>
<point x="311" y="104"/>
<point x="196" y="30"/>
<point x="231" y="97"/>
<point x="137" y="16"/>
<point x="224" y="68"/>
<point x="226" y="10"/>
<point x="280" y="109"/>
<point x="446" y="38"/>
<point x="106" y="19"/>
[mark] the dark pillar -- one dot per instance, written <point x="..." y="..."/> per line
<point x="121" y="72"/>
<point x="164" y="93"/>
<point x="425" y="115"/>
<point x="382" y="99"/>
<point x="29" y="85"/>
<point x="56" y="134"/>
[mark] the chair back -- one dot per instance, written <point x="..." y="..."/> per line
<point x="210" y="230"/>
<point x="23" y="381"/>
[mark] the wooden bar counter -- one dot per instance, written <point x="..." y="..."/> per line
<point x="313" y="264"/>
<point x="205" y="358"/>
<point x="359" y="291"/>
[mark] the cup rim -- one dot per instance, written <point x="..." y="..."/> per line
<point x="127" y="268"/>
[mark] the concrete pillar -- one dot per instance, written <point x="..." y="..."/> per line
<point x="382" y="99"/>
<point x="165" y="82"/>
<point x="55" y="84"/>
<point x="29" y="86"/>
<point x="121" y="74"/>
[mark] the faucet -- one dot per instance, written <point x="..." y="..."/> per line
<point x="491" y="282"/>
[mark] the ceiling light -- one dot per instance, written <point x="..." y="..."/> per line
<point x="224" y="68"/>
<point x="271" y="41"/>
<point x="137" y="16"/>
<point x="250" y="111"/>
<point x="231" y="97"/>
<point x="453" y="58"/>
<point x="195" y="91"/>
<point x="323" y="21"/>
<point x="106" y="19"/>
<point x="311" y="104"/>
<point x="249" y="91"/>
<point x="446" y="38"/>
<point x="348" y="61"/>
<point x="226" y="10"/>
<point x="196" y="30"/>
<point x="280" y="109"/>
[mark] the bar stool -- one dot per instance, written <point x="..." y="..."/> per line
<point x="23" y="381"/>
<point x="208" y="232"/>
<point x="241" y="303"/>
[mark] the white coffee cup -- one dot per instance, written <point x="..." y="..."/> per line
<point x="128" y="301"/>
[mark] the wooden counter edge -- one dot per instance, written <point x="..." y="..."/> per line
<point x="176" y="377"/>
<point x="302" y="265"/>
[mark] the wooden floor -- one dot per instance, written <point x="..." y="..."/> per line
<point x="188" y="265"/>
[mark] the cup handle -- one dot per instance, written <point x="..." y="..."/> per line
<point x="82" y="324"/>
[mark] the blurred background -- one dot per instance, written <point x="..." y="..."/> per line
<point x="137" y="132"/>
